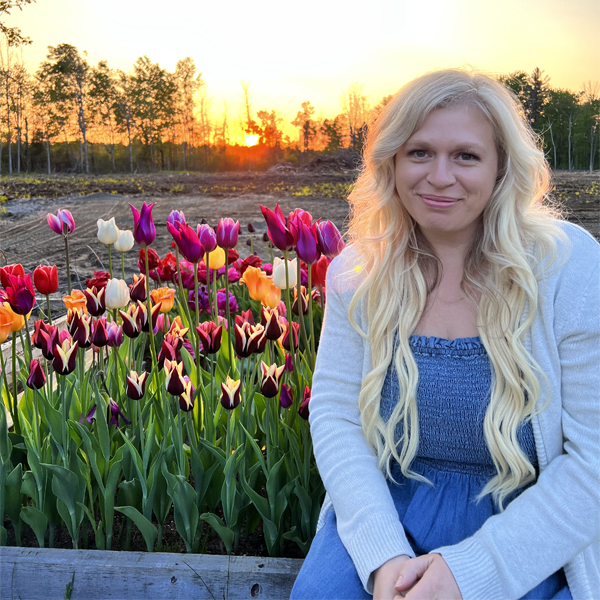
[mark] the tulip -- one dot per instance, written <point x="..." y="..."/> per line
<point x="116" y="294"/>
<point x="169" y="350"/>
<point x="6" y="321"/>
<point x="99" y="280"/>
<point x="251" y="228"/>
<point x="108" y="232"/>
<point x="46" y="339"/>
<point x="20" y="294"/>
<point x="186" y="399"/>
<point x="125" y="241"/>
<point x="279" y="278"/>
<point x="245" y="316"/>
<point x="95" y="301"/>
<point x="210" y="336"/>
<point x="131" y="324"/>
<point x="37" y="377"/>
<point x="99" y="333"/>
<point x="144" y="231"/>
<point x="249" y="339"/>
<point x="162" y="323"/>
<point x="273" y="329"/>
<point x="289" y="363"/>
<point x="269" y="385"/>
<point x="137" y="290"/>
<point x="216" y="259"/>
<point x="61" y="223"/>
<point x="114" y="412"/>
<point x="306" y="245"/>
<point x="45" y="279"/>
<point x="304" y="411"/>
<point x="303" y="301"/>
<point x="318" y="271"/>
<point x="286" y="398"/>
<point x="81" y="330"/>
<point x="174" y="382"/>
<point x="64" y="355"/>
<point x="15" y="269"/>
<point x="175" y="216"/>
<point x="189" y="244"/>
<point x="142" y="316"/>
<point x="329" y="238"/>
<point x="177" y="329"/>
<point x="249" y="261"/>
<point x="274" y="297"/>
<point x="230" y="398"/>
<point x="258" y="284"/>
<point x="166" y="297"/>
<point x="297" y="218"/>
<point x="279" y="234"/>
<point x="208" y="238"/>
<point x="167" y="268"/>
<point x="286" y="336"/>
<point x="76" y="301"/>
<point x="136" y="385"/>
<point x="227" y="233"/>
<point x="115" y="334"/>
<point x="153" y="261"/>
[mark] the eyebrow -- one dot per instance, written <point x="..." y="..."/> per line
<point x="466" y="146"/>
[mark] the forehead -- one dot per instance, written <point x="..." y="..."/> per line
<point x="462" y="124"/>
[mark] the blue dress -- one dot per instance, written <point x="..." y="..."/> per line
<point x="452" y="397"/>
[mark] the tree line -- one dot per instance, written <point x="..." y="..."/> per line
<point x="70" y="116"/>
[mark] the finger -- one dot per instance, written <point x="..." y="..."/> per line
<point x="411" y="571"/>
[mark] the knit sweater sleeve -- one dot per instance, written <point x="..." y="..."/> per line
<point x="367" y="520"/>
<point x="557" y="518"/>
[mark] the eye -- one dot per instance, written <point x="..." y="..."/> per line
<point x="418" y="153"/>
<point x="468" y="156"/>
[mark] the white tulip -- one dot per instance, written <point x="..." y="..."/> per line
<point x="279" y="273"/>
<point x="116" y="294"/>
<point x="125" y="241"/>
<point x="108" y="232"/>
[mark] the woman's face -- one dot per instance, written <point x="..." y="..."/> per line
<point x="446" y="172"/>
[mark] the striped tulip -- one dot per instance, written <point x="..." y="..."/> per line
<point x="230" y="398"/>
<point x="136" y="385"/>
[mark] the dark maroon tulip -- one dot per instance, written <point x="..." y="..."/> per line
<point x="208" y="237"/>
<point x="82" y="331"/>
<point x="289" y="363"/>
<point x="304" y="411"/>
<point x="131" y="326"/>
<point x="306" y="245"/>
<point x="142" y="315"/>
<point x="286" y="398"/>
<point x="174" y="378"/>
<point x="49" y="339"/>
<point x="186" y="400"/>
<point x="37" y="377"/>
<point x="170" y="348"/>
<point x="273" y="329"/>
<point x="269" y="385"/>
<point x="230" y="397"/>
<point x="136" y="385"/>
<point x="95" y="301"/>
<point x="99" y="333"/>
<point x="144" y="231"/>
<point x="249" y="339"/>
<point x="303" y="301"/>
<point x="20" y="294"/>
<point x="210" y="336"/>
<point x="65" y="353"/>
<point x="61" y="223"/>
<point x="36" y="338"/>
<point x="279" y="234"/>
<point x="330" y="239"/>
<point x="228" y="231"/>
<point x="251" y="228"/>
<point x="265" y="237"/>
<point x="286" y="336"/>
<point x="137" y="290"/>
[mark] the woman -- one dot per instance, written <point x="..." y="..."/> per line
<point x="455" y="407"/>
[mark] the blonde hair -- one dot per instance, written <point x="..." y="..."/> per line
<point x="517" y="231"/>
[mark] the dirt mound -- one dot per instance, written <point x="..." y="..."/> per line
<point x="344" y="160"/>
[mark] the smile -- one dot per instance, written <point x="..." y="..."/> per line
<point x="439" y="201"/>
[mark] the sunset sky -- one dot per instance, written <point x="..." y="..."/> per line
<point x="312" y="50"/>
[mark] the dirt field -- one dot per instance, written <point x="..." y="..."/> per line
<point x="24" y="203"/>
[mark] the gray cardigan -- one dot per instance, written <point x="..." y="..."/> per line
<point x="552" y="524"/>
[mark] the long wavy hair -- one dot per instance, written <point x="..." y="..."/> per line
<point x="502" y="271"/>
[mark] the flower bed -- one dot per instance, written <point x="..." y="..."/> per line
<point x="195" y="405"/>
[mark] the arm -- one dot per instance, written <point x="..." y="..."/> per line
<point x="367" y="520"/>
<point x="557" y="518"/>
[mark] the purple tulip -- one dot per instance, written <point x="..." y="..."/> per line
<point x="99" y="333"/>
<point x="37" y="377"/>
<point x="189" y="244"/>
<point x="228" y="231"/>
<point x="62" y="222"/>
<point x="330" y="239"/>
<point x="286" y="398"/>
<point x="20" y="294"/>
<point x="115" y="334"/>
<point x="144" y="231"/>
<point x="279" y="234"/>
<point x="207" y="236"/>
<point x="306" y="246"/>
<point x="176" y="216"/>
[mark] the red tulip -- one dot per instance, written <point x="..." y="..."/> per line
<point x="16" y="270"/>
<point x="20" y="294"/>
<point x="318" y="271"/>
<point x="37" y="377"/>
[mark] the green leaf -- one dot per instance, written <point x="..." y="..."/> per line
<point x="257" y="452"/>
<point x="222" y="530"/>
<point x="147" y="529"/>
<point x="13" y="499"/>
<point x="97" y="462"/>
<point x="37" y="520"/>
<point x="137" y="461"/>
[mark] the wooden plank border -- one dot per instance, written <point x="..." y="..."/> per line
<point x="45" y="573"/>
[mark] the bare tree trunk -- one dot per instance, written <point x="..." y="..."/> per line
<point x="1" y="144"/>
<point x="8" y="136"/>
<point x="48" y="154"/>
<point x="553" y="144"/>
<point x="592" y="148"/>
<point x="27" y="148"/>
<point x="570" y="126"/>
<point x="112" y="156"/>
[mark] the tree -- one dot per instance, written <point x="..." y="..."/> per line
<point x="355" y="106"/>
<point x="306" y="124"/>
<point x="14" y="37"/>
<point x="270" y="128"/>
<point x="590" y="118"/>
<point x="123" y="114"/>
<point x="560" y="109"/>
<point x="188" y="84"/>
<point x="67" y="73"/>
<point x="331" y="130"/>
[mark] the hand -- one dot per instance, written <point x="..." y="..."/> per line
<point x="386" y="576"/>
<point x="427" y="577"/>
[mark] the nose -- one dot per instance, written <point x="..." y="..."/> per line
<point x="441" y="174"/>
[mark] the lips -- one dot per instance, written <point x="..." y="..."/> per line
<point x="439" y="201"/>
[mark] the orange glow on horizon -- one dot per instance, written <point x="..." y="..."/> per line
<point x="251" y="140"/>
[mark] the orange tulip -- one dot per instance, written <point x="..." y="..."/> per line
<point x="164" y="295"/>
<point x="273" y="299"/>
<point x="17" y="321"/>
<point x="6" y="321"/>
<point x="76" y="301"/>
<point x="257" y="282"/>
<point x="177" y="329"/>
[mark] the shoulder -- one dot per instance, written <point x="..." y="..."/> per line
<point x="581" y="244"/>
<point x="345" y="273"/>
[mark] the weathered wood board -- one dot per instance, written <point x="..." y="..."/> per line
<point x="44" y="574"/>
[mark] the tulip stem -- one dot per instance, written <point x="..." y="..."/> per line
<point x="310" y="320"/>
<point x="123" y="264"/>
<point x="215" y="310"/>
<point x="6" y="386"/>
<point x="197" y="322"/>
<point x="208" y="287"/>
<point x="13" y="405"/>
<point x="48" y="314"/>
<point x="36" y="426"/>
<point x="228" y="312"/>
<point x="300" y="305"/>
<point x="26" y="319"/>
<point x="288" y="305"/>
<point x="68" y="265"/>
<point x="110" y="260"/>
